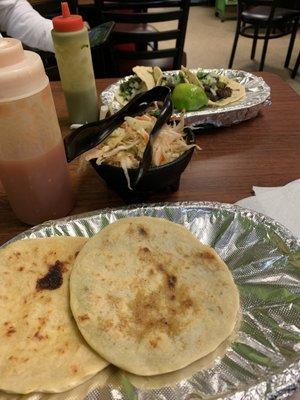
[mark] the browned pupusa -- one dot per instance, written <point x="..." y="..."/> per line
<point x="40" y="346"/>
<point x="150" y="298"/>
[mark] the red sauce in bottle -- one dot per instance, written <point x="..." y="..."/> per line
<point x="33" y="166"/>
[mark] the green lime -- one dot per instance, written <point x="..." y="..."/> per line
<point x="188" y="97"/>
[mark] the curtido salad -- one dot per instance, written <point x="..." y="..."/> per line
<point x="126" y="145"/>
<point x="190" y="90"/>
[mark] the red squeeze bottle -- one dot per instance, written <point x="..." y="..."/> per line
<point x="33" y="166"/>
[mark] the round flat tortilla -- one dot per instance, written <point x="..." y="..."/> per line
<point x="172" y="378"/>
<point x="150" y="298"/>
<point x="41" y="349"/>
<point x="77" y="393"/>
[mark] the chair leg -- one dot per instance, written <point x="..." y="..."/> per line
<point x="291" y="45"/>
<point x="113" y="66"/>
<point x="265" y="48"/>
<point x="235" y="42"/>
<point x="296" y="67"/>
<point x="256" y="29"/>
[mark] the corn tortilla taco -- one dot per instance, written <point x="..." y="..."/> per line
<point x="238" y="93"/>
<point x="191" y="77"/>
<point x="146" y="75"/>
<point x="157" y="75"/>
<point x="219" y="89"/>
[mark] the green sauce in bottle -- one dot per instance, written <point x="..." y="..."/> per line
<point x="73" y="55"/>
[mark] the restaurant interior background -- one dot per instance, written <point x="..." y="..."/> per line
<point x="244" y="172"/>
<point x="209" y="42"/>
<point x="209" y="38"/>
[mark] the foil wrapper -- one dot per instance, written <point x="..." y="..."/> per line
<point x="258" y="95"/>
<point x="263" y="361"/>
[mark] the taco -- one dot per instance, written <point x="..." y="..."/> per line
<point x="146" y="75"/>
<point x="219" y="89"/>
<point x="120" y="99"/>
<point x="234" y="90"/>
<point x="157" y="75"/>
<point x="191" y="77"/>
<point x="130" y="88"/>
<point x="144" y="78"/>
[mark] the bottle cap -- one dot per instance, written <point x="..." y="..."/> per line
<point x="21" y="72"/>
<point x="67" y="22"/>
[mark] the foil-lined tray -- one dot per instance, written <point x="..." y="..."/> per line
<point x="263" y="362"/>
<point x="258" y="95"/>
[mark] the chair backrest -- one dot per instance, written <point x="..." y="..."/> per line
<point x="135" y="13"/>
<point x="51" y="8"/>
<point x="273" y="4"/>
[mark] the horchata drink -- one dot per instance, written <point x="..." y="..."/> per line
<point x="33" y="166"/>
<point x="74" y="60"/>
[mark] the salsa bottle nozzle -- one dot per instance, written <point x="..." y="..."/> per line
<point x="65" y="9"/>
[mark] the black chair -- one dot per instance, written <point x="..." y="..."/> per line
<point x="52" y="8"/>
<point x="98" y="57"/>
<point x="296" y="67"/>
<point x="253" y="16"/>
<point x="132" y="46"/>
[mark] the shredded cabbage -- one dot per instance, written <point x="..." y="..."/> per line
<point x="125" y="146"/>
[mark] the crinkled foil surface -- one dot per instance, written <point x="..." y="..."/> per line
<point x="263" y="362"/>
<point x="257" y="96"/>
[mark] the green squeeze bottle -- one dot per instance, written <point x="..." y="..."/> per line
<point x="73" y="55"/>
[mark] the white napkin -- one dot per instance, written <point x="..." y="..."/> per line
<point x="280" y="203"/>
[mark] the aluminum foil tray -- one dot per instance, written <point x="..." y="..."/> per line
<point x="257" y="96"/>
<point x="264" y="361"/>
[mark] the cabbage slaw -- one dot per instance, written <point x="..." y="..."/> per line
<point x="125" y="146"/>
